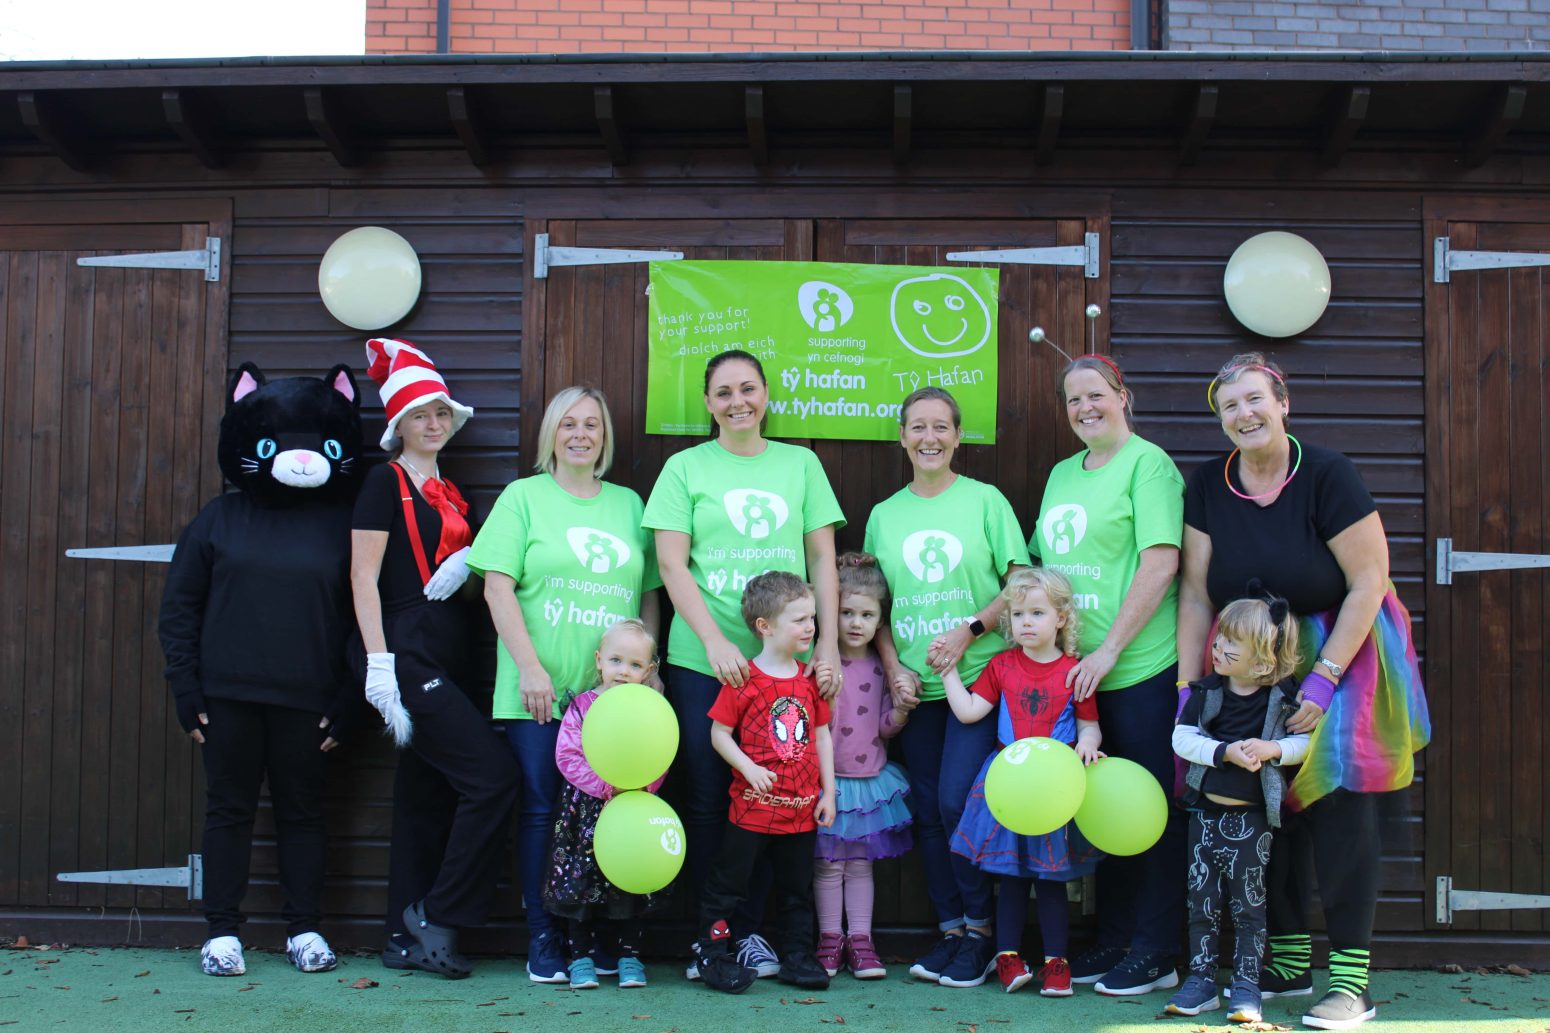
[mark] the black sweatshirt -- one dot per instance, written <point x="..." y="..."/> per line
<point x="257" y="606"/>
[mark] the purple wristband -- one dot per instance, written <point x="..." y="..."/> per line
<point x="1316" y="688"/>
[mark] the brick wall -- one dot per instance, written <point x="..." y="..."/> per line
<point x="726" y="26"/>
<point x="1364" y="25"/>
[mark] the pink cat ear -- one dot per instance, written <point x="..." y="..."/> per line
<point x="246" y="385"/>
<point x="345" y="385"/>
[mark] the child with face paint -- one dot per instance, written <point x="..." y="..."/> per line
<point x="773" y="732"/>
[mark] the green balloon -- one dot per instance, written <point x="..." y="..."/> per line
<point x="638" y="842"/>
<point x="1034" y="786"/>
<point x="1124" y="810"/>
<point x="629" y="736"/>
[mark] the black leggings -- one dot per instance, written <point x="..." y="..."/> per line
<point x="790" y="857"/>
<point x="1337" y="838"/>
<point x="1228" y="850"/>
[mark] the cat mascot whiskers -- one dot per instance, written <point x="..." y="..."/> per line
<point x="254" y="621"/>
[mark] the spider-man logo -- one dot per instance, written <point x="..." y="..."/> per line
<point x="788" y="728"/>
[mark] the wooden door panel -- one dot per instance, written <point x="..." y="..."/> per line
<point x="1487" y="809"/>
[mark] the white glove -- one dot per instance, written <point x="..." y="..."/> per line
<point x="382" y="693"/>
<point x="449" y="577"/>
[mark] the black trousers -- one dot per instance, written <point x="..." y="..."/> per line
<point x="1228" y="853"/>
<point x="618" y="936"/>
<point x="1336" y="838"/>
<point x="791" y="860"/>
<point x="456" y="783"/>
<point x="244" y="742"/>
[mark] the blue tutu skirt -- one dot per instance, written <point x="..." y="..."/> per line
<point x="1061" y="855"/>
<point x="871" y="819"/>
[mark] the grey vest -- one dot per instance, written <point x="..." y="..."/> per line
<point x="1277" y="709"/>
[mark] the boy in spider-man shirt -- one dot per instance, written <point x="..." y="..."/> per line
<point x="774" y="734"/>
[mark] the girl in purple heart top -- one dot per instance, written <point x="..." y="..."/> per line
<point x="872" y="818"/>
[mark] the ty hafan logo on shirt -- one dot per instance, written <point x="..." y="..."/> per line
<point x="597" y="551"/>
<point x="755" y="512"/>
<point x="932" y="555"/>
<point x="1063" y="528"/>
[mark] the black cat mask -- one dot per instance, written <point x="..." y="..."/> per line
<point x="293" y="440"/>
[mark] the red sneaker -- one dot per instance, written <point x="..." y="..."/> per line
<point x="1013" y="971"/>
<point x="1055" y="978"/>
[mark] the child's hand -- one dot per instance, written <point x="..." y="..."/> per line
<point x="1262" y="750"/>
<point x="828" y="683"/>
<point x="1088" y="753"/>
<point x="1238" y="753"/>
<point x="824" y="812"/>
<point x="761" y="780"/>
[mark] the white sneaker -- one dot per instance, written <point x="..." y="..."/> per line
<point x="222" y="956"/>
<point x="756" y="953"/>
<point x="309" y="952"/>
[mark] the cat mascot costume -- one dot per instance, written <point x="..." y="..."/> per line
<point x="254" y="621"/>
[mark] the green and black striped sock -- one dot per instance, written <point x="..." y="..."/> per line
<point x="1348" y="970"/>
<point x="1290" y="955"/>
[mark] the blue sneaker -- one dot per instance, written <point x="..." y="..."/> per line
<point x="545" y="960"/>
<point x="1198" y="994"/>
<point x="935" y="962"/>
<point x="1139" y="974"/>
<point x="583" y="974"/>
<point x="631" y="973"/>
<point x="1244" y="1006"/>
<point x="974" y="960"/>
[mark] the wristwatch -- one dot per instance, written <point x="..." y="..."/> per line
<point x="976" y="626"/>
<point x="1333" y="668"/>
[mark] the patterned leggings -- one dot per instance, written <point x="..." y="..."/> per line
<point x="1228" y="852"/>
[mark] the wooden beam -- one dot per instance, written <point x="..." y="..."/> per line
<point x="467" y="124"/>
<point x="1345" y="121"/>
<point x="608" y="124"/>
<point x="1197" y="126"/>
<point x="1499" y="118"/>
<point x="186" y="117"/>
<point x="758" y="136"/>
<point x="324" y="117"/>
<point x="903" y="122"/>
<point x="1051" y="110"/>
<point x="40" y="118"/>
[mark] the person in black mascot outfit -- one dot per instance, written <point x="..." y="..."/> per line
<point x="254" y="621"/>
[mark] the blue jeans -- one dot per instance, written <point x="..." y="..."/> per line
<point x="942" y="755"/>
<point x="1141" y="898"/>
<point x="533" y="745"/>
<point x="706" y="802"/>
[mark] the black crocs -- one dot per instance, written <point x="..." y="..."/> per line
<point x="435" y="946"/>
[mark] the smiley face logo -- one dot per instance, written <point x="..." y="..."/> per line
<point x="939" y="316"/>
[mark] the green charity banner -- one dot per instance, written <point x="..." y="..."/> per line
<point x="841" y="344"/>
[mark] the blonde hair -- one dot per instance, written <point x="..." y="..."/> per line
<point x="1267" y="630"/>
<point x="1105" y="368"/>
<point x="549" y="430"/>
<point x="860" y="575"/>
<point x="628" y="624"/>
<point x="1059" y="593"/>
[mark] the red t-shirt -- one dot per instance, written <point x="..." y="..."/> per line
<point x="1033" y="696"/>
<point x="773" y="720"/>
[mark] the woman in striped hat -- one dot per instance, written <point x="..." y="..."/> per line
<point x="456" y="781"/>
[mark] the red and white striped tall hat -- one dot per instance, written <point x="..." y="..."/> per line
<point x="407" y="378"/>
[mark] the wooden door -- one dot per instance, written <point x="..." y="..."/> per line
<point x="1488" y="489"/>
<point x="110" y="390"/>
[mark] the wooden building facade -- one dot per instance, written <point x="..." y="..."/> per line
<point x="111" y="380"/>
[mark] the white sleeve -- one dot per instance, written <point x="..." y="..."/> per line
<point x="1293" y="749"/>
<point x="1194" y="745"/>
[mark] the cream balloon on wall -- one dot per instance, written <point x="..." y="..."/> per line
<point x="1277" y="284"/>
<point x="369" y="278"/>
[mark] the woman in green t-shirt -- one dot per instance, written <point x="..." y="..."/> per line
<point x="1111" y="520"/>
<point x="563" y="556"/>
<point x="724" y="512"/>
<point x="946" y="544"/>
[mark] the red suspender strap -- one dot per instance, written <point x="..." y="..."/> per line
<point x="413" y="524"/>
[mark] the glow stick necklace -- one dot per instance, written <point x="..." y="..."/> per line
<point x="1227" y="474"/>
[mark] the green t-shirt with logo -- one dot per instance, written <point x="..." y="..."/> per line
<point x="579" y="564"/>
<point x="945" y="559"/>
<point x="1092" y="527"/>
<point x="744" y="515"/>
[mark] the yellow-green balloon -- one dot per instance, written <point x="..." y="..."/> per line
<point x="630" y="736"/>
<point x="1034" y="786"/>
<point x="638" y="842"/>
<point x="1124" y="810"/>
